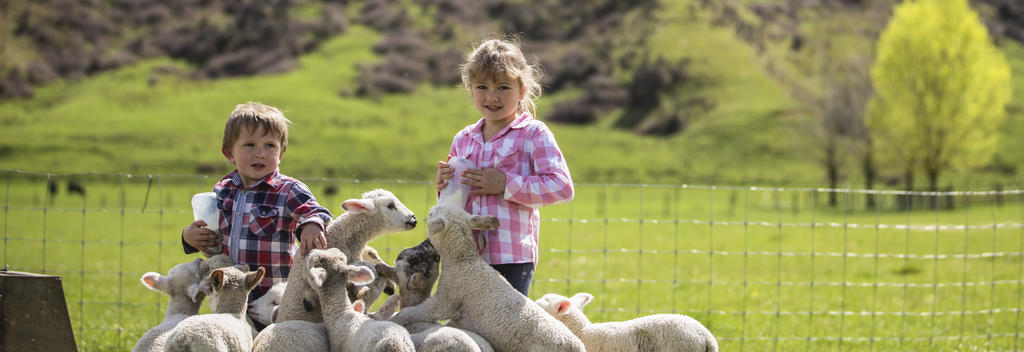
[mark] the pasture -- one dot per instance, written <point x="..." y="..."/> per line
<point x="763" y="268"/>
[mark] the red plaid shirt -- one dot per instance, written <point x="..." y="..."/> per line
<point x="260" y="224"/>
<point x="536" y="175"/>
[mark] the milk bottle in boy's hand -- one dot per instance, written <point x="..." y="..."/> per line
<point x="456" y="192"/>
<point x="204" y="207"/>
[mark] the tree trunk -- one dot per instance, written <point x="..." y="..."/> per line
<point x="869" y="177"/>
<point x="832" y="168"/>
<point x="908" y="182"/>
<point x="933" y="185"/>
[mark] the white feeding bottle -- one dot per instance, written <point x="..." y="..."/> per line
<point x="456" y="192"/>
<point x="204" y="207"/>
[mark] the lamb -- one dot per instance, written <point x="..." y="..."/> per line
<point x="472" y="292"/>
<point x="416" y="271"/>
<point x="264" y="309"/>
<point x="378" y="212"/>
<point x="292" y="335"/>
<point x="182" y="284"/>
<point x="225" y="329"/>
<point x="659" y="332"/>
<point x="348" y="329"/>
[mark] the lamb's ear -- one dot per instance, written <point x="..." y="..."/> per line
<point x="417" y="281"/>
<point x="217" y="279"/>
<point x="359" y="306"/>
<point x="253" y="278"/>
<point x="372" y="254"/>
<point x="360" y="275"/>
<point x="386" y="271"/>
<point x="581" y="299"/>
<point x="357" y="205"/>
<point x="318" y="275"/>
<point x="563" y="306"/>
<point x="483" y="222"/>
<point x="154" y="281"/>
<point x="273" y="316"/>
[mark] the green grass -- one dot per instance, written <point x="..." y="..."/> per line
<point x="691" y="254"/>
<point x="708" y="264"/>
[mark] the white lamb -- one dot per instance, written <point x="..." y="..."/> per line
<point x="264" y="309"/>
<point x="182" y="284"/>
<point x="483" y="302"/>
<point x="292" y="335"/>
<point x="416" y="270"/>
<point x="347" y="329"/>
<point x="378" y="212"/>
<point x="225" y="329"/>
<point x="659" y="332"/>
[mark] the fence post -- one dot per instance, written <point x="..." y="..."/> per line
<point x="35" y="315"/>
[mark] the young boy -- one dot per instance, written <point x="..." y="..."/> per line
<point x="261" y="211"/>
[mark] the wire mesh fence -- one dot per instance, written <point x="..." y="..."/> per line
<point x="763" y="268"/>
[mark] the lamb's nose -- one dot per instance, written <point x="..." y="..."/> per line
<point x="412" y="222"/>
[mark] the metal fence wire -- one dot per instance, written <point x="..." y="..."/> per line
<point x="762" y="268"/>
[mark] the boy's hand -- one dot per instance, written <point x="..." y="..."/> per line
<point x="485" y="181"/>
<point x="444" y="173"/>
<point x="196" y="235"/>
<point x="311" y="237"/>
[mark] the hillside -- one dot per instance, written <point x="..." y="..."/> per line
<point x="662" y="92"/>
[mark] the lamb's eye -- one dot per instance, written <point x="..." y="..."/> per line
<point x="391" y="205"/>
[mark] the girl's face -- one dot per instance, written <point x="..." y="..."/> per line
<point x="497" y="99"/>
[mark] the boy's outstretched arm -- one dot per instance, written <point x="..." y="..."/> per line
<point x="311" y="236"/>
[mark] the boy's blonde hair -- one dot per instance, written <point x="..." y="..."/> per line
<point x="251" y="116"/>
<point x="497" y="58"/>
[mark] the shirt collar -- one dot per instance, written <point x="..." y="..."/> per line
<point x="522" y="121"/>
<point x="272" y="180"/>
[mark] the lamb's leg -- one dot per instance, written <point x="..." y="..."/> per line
<point x="431" y="309"/>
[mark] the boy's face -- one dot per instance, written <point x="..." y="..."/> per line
<point x="497" y="98"/>
<point x="255" y="154"/>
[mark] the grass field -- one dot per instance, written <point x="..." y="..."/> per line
<point x="738" y="259"/>
<point x="762" y="268"/>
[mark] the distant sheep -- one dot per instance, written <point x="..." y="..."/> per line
<point x="378" y="212"/>
<point x="659" y="332"/>
<point x="477" y="297"/>
<point x="348" y="329"/>
<point x="182" y="284"/>
<point x="225" y="329"/>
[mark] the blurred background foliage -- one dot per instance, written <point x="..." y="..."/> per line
<point x="670" y="91"/>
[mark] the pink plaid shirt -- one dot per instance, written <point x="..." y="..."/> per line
<point x="536" y="175"/>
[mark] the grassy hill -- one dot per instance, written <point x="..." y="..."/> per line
<point x="150" y="118"/>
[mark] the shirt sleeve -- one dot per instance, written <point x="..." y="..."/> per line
<point x="550" y="183"/>
<point x="305" y="209"/>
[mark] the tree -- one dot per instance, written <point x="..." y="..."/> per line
<point x="941" y="87"/>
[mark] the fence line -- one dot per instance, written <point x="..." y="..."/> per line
<point x="806" y="262"/>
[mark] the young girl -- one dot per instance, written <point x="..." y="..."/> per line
<point x="519" y="165"/>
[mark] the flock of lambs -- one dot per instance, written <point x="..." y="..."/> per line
<point x="323" y="306"/>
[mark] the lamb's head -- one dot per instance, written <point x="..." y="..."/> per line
<point x="264" y="309"/>
<point x="416" y="270"/>
<point x="231" y="286"/>
<point x="183" y="279"/>
<point x="558" y="305"/>
<point x="449" y="224"/>
<point x="328" y="268"/>
<point x="396" y="216"/>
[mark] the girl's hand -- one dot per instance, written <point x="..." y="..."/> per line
<point x="311" y="237"/>
<point x="444" y="173"/>
<point x="199" y="237"/>
<point x="485" y="181"/>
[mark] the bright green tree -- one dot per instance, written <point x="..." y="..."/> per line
<point x="941" y="89"/>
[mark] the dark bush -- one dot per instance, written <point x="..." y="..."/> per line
<point x="574" y="112"/>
